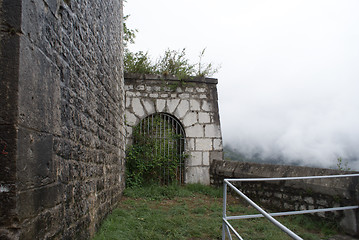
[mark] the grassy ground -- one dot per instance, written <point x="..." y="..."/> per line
<point x="194" y="212"/>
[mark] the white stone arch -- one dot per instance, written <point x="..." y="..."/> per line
<point x="193" y="103"/>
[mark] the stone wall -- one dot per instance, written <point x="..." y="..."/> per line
<point x="193" y="102"/>
<point x="295" y="194"/>
<point x="61" y="117"/>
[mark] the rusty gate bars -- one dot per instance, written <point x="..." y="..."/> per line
<point x="170" y="140"/>
<point x="226" y="226"/>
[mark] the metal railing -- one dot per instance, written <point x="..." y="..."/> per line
<point x="227" y="227"/>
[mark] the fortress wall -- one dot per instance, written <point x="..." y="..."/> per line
<point x="62" y="116"/>
<point x="295" y="194"/>
<point x="193" y="102"/>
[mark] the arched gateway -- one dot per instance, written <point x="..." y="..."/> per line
<point x="191" y="104"/>
<point x="166" y="137"/>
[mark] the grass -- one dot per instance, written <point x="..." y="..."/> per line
<point x="194" y="212"/>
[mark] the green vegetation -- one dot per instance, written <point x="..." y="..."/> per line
<point x="194" y="212"/>
<point x="171" y="63"/>
<point x="149" y="159"/>
<point x="342" y="166"/>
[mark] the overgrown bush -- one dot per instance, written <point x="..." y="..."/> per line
<point x="138" y="62"/>
<point x="172" y="62"/>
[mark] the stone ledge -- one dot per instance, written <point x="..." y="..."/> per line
<point x="139" y="76"/>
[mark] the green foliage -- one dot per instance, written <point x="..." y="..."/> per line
<point x="342" y="166"/>
<point x="176" y="64"/>
<point x="205" y="190"/>
<point x="138" y="62"/>
<point x="151" y="159"/>
<point x="205" y="69"/>
<point x="171" y="191"/>
<point x="129" y="35"/>
<point x="172" y="62"/>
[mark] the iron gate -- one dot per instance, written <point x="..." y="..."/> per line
<point x="168" y="137"/>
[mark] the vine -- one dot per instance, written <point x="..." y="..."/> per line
<point x="151" y="159"/>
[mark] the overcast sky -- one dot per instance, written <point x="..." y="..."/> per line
<point x="289" y="78"/>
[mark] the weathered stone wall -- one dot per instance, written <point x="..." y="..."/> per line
<point x="193" y="102"/>
<point x="61" y="117"/>
<point x="295" y="194"/>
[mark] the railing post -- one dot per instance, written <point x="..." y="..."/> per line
<point x="224" y="215"/>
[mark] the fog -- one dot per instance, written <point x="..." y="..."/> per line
<point x="289" y="78"/>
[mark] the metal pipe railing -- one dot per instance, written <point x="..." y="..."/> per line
<point x="227" y="226"/>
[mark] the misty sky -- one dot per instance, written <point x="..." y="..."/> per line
<point x="289" y="77"/>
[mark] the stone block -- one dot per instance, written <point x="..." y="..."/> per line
<point x="160" y="105"/>
<point x="212" y="130"/>
<point x="194" y="105"/>
<point x="206" y="106"/>
<point x="35" y="162"/>
<point x="205" y="159"/>
<point x="204" y="117"/>
<point x="128" y="102"/>
<point x="190" y="119"/>
<point x="39" y="91"/>
<point x="8" y="153"/>
<point x="217" y="144"/>
<point x="140" y="87"/>
<point x="131" y="118"/>
<point x="128" y="87"/>
<point x="179" y="90"/>
<point x="200" y="90"/>
<point x="189" y="89"/>
<point x="153" y="95"/>
<point x="149" y="106"/>
<point x="172" y="105"/>
<point x="203" y="144"/>
<point x="184" y="95"/>
<point x="190" y="144"/>
<point x="137" y="108"/>
<point x="32" y="201"/>
<point x="194" y="131"/>
<point x="50" y="219"/>
<point x="350" y="222"/>
<point x="182" y="109"/>
<point x="309" y="200"/>
<point x="195" y="159"/>
<point x="215" y="155"/>
<point x="198" y="175"/>
<point x="130" y="94"/>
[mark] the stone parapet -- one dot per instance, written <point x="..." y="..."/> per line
<point x="294" y="194"/>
